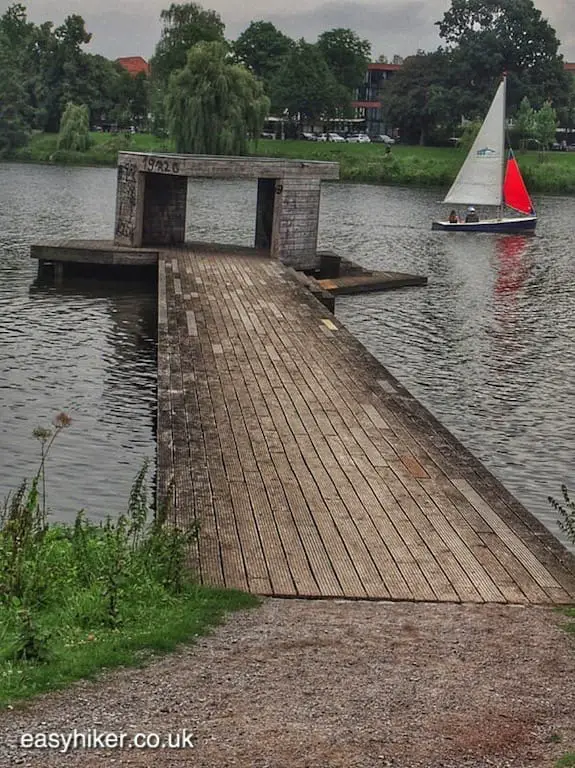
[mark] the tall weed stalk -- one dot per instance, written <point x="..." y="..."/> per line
<point x="87" y="574"/>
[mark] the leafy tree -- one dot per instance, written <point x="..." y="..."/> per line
<point x="263" y="49"/>
<point x="16" y="31"/>
<point x="545" y="125"/>
<point x="469" y="135"/>
<point x="139" y="99"/>
<point x="524" y="126"/>
<point x="184" y="25"/>
<point x="48" y="68"/>
<point x="306" y="89"/>
<point x="16" y="34"/>
<point x="58" y="69"/>
<point x="347" y="56"/>
<point x="75" y="128"/>
<point x="417" y="100"/>
<point x="14" y="106"/>
<point x="214" y="104"/>
<point x="489" y="37"/>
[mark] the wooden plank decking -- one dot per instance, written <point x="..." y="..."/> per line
<point x="93" y="252"/>
<point x="369" y="282"/>
<point x="312" y="472"/>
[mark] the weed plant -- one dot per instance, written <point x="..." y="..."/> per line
<point x="76" y="598"/>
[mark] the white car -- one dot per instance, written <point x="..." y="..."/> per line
<point x="358" y="138"/>
<point x="330" y="137"/>
<point x="385" y="139"/>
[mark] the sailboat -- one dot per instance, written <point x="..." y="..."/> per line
<point x="488" y="177"/>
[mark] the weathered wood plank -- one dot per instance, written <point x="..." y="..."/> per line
<point x="309" y="477"/>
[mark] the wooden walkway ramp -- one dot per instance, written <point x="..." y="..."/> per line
<point x="311" y="471"/>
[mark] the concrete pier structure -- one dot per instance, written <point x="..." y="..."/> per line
<point x="152" y="195"/>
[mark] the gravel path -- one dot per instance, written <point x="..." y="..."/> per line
<point x="302" y="684"/>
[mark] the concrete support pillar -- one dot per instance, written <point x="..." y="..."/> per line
<point x="296" y="219"/>
<point x="129" y="205"/>
<point x="164" y="220"/>
<point x="265" y="213"/>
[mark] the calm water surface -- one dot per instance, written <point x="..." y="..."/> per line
<point x="87" y="349"/>
<point x="488" y="346"/>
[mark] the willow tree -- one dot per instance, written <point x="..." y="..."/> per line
<point x="75" y="128"/>
<point x="214" y="106"/>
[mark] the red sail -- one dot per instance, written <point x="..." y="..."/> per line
<point x="515" y="192"/>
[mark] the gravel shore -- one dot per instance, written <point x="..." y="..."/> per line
<point x="317" y="684"/>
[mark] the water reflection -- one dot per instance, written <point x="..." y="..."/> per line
<point x="87" y="349"/>
<point x="513" y="263"/>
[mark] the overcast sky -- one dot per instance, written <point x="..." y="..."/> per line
<point x="132" y="28"/>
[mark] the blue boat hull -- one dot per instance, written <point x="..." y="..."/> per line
<point x="506" y="226"/>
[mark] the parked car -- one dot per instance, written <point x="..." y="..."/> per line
<point x="267" y="135"/>
<point x="383" y="138"/>
<point x="335" y="137"/>
<point x="306" y="136"/>
<point x="358" y="138"/>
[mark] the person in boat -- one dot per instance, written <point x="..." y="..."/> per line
<point x="472" y="216"/>
<point x="453" y="217"/>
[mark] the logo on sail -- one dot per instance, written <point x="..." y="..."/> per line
<point x="486" y="152"/>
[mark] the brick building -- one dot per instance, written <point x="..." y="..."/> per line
<point x="368" y="104"/>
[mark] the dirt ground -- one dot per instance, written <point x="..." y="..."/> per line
<point x="304" y="684"/>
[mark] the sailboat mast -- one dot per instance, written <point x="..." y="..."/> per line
<point x="504" y="153"/>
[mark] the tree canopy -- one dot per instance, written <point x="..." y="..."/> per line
<point x="213" y="104"/>
<point x="183" y="25"/>
<point x="488" y="37"/>
<point x="263" y="49"/>
<point x="14" y="101"/>
<point x="305" y="88"/>
<point x="347" y="56"/>
<point x="417" y="100"/>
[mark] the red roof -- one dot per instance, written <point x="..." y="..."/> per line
<point x="376" y="65"/>
<point x="366" y="104"/>
<point x="134" y="65"/>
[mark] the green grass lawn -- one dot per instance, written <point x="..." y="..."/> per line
<point x="76" y="644"/>
<point x="549" y="172"/>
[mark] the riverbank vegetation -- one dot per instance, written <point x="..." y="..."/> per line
<point x="46" y="67"/>
<point x="78" y="598"/>
<point x="545" y="172"/>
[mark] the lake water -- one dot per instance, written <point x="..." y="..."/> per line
<point x="488" y="346"/>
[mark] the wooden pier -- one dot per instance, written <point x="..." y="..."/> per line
<point x="368" y="282"/>
<point x="310" y="470"/>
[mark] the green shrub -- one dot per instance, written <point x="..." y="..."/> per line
<point x="74" y="598"/>
<point x="75" y="128"/>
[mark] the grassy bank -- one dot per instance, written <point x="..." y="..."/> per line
<point x="75" y="599"/>
<point x="43" y="148"/>
<point x="550" y="172"/>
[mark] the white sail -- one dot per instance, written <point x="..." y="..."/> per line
<point x="480" y="178"/>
